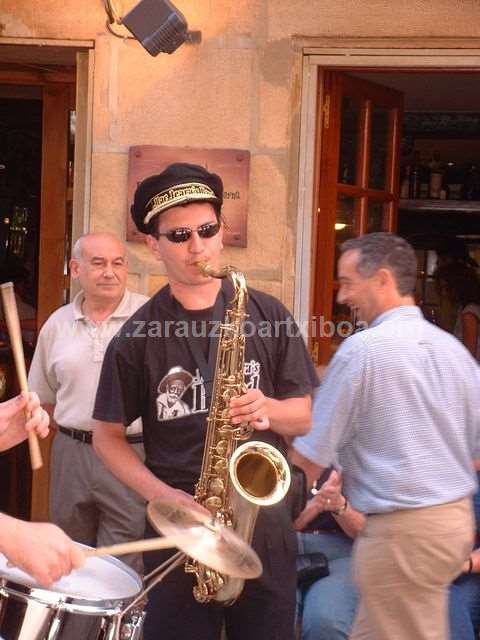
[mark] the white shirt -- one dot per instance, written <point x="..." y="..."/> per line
<point x="400" y="405"/>
<point x="68" y="359"/>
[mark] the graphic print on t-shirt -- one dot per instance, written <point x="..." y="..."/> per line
<point x="170" y="391"/>
<point x="178" y="381"/>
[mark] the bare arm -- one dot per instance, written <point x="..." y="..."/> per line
<point x="312" y="471"/>
<point x="40" y="549"/>
<point x="110" y="443"/>
<point x="289" y="417"/>
<point x="470" y="331"/>
<point x="330" y="498"/>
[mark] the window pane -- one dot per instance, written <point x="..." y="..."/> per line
<point x="343" y="323"/>
<point x="377" y="216"/>
<point x="379" y="149"/>
<point x="346" y="220"/>
<point x="349" y="136"/>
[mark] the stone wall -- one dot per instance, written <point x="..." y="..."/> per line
<point x="237" y="89"/>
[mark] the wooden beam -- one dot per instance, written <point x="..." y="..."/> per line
<point x="8" y="76"/>
<point x="48" y="42"/>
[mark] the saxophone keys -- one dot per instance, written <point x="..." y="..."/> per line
<point x="220" y="468"/>
<point x="221" y="447"/>
<point x="213" y="503"/>
<point x="216" y="486"/>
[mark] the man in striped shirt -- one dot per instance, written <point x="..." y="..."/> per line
<point x="399" y="410"/>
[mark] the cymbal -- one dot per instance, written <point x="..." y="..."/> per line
<point x="204" y="539"/>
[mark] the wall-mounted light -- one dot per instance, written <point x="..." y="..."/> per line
<point x="340" y="226"/>
<point x="157" y="24"/>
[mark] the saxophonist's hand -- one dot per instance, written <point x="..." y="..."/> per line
<point x="182" y="499"/>
<point x="251" y="408"/>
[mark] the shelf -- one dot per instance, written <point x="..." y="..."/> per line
<point x="447" y="206"/>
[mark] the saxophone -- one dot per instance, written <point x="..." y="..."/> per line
<point x="235" y="480"/>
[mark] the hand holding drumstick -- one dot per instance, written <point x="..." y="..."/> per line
<point x="13" y="324"/>
<point x="39" y="548"/>
<point x="14" y="426"/>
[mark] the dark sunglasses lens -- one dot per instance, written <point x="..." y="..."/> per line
<point x="208" y="230"/>
<point x="184" y="233"/>
<point x="179" y="235"/>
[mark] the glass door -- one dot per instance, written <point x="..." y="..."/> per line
<point x="359" y="125"/>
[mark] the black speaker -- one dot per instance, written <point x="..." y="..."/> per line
<point x="157" y="25"/>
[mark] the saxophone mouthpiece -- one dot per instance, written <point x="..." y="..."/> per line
<point x="209" y="271"/>
<point x="204" y="268"/>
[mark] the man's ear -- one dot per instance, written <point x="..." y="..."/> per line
<point x="385" y="278"/>
<point x="74" y="268"/>
<point x="153" y="246"/>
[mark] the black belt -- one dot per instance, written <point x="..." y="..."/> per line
<point x="86" y="436"/>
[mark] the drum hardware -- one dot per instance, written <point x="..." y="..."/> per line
<point x="105" y="592"/>
<point x="209" y="542"/>
<point x="96" y="595"/>
<point x="131" y="628"/>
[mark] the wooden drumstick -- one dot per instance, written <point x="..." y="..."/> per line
<point x="137" y="546"/>
<point x="13" y="325"/>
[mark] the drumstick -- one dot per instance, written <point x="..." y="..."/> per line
<point x="13" y="325"/>
<point x="137" y="546"/>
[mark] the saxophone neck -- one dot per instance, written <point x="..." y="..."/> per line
<point x="230" y="272"/>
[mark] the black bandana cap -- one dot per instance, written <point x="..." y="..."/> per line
<point x="178" y="184"/>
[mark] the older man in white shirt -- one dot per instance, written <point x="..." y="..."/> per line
<point x="86" y="500"/>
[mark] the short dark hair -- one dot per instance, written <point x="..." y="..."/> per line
<point x="383" y="250"/>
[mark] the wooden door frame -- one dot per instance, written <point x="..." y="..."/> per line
<point x="347" y="54"/>
<point x="57" y="88"/>
<point x="367" y="96"/>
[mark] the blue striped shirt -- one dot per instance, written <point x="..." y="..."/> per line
<point x="400" y="407"/>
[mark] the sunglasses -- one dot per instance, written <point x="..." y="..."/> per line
<point x="182" y="234"/>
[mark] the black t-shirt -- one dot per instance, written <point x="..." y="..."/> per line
<point x="160" y="368"/>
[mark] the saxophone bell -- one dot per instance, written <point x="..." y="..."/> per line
<point x="260" y="473"/>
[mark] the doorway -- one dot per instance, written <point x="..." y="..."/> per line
<point x="390" y="69"/>
<point x="39" y="111"/>
<point x="20" y="178"/>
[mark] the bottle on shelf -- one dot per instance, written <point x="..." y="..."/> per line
<point x="445" y="190"/>
<point x="436" y="176"/>
<point x="405" y="183"/>
<point x="345" y="176"/>
<point x="450" y="180"/>
<point x="414" y="181"/>
<point x="471" y="183"/>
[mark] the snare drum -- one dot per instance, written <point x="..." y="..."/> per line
<point x="84" y="604"/>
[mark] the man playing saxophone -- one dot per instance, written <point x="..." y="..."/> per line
<point x="180" y="211"/>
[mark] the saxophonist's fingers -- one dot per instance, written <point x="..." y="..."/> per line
<point x="262" y="424"/>
<point x="250" y="406"/>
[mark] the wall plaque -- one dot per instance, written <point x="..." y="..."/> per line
<point x="232" y="165"/>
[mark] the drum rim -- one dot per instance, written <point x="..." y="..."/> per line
<point x="70" y="604"/>
<point x="73" y="603"/>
